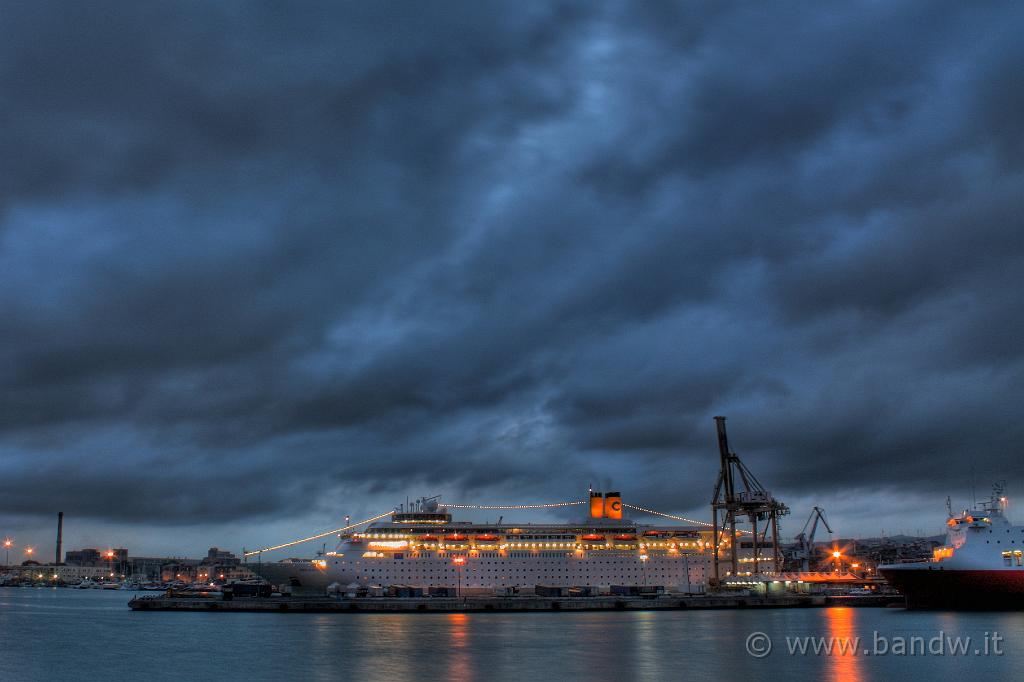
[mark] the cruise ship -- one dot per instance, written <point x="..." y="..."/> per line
<point x="981" y="565"/>
<point x="422" y="545"/>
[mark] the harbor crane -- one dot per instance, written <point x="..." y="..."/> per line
<point x="805" y="541"/>
<point x="739" y="494"/>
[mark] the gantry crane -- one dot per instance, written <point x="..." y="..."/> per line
<point x="738" y="493"/>
<point x="805" y="541"/>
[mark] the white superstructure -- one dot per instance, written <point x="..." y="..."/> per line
<point x="427" y="548"/>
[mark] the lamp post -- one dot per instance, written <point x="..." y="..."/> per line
<point x="686" y="567"/>
<point x="837" y="555"/>
<point x="643" y="567"/>
<point x="7" y="546"/>
<point x="458" y="562"/>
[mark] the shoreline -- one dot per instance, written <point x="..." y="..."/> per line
<point x="499" y="604"/>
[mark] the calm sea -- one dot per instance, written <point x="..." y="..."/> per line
<point x="68" y="634"/>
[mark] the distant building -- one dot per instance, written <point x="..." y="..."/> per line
<point x="63" y="573"/>
<point x="96" y="557"/>
<point x="221" y="557"/>
<point x="147" y="568"/>
<point x="82" y="557"/>
<point x="217" y="566"/>
<point x="185" y="570"/>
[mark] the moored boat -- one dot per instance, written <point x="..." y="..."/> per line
<point x="980" y="567"/>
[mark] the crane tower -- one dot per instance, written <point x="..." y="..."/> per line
<point x="738" y="496"/>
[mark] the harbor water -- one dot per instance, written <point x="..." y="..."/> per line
<point x="65" y="634"/>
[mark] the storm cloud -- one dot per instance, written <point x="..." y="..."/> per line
<point x="264" y="263"/>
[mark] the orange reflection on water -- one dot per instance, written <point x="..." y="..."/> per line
<point x="844" y="664"/>
<point x="458" y="658"/>
<point x="457" y="622"/>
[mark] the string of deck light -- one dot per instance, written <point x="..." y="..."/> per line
<point x="551" y="505"/>
<point x="673" y="516"/>
<point x="317" y="537"/>
<point x="667" y="516"/>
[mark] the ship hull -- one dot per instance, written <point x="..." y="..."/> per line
<point x="300" y="577"/>
<point x="958" y="589"/>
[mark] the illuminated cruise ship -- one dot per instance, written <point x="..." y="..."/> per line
<point x="423" y="546"/>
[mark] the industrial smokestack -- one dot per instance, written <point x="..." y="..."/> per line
<point x="60" y="535"/>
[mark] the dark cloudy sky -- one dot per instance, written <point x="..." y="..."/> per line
<point x="266" y="264"/>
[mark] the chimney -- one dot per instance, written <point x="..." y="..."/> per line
<point x="612" y="505"/>
<point x="60" y="535"/>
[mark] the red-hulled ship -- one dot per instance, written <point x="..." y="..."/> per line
<point x="981" y="566"/>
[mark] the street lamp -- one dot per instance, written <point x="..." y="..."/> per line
<point x="836" y="555"/>
<point x="458" y="562"/>
<point x="686" y="567"/>
<point x="7" y="546"/>
<point x="643" y="567"/>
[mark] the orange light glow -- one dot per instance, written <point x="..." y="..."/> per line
<point x="459" y="560"/>
<point x="842" y="666"/>
<point x="837" y="554"/>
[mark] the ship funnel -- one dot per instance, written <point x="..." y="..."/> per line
<point x="596" y="505"/>
<point x="613" y="505"/>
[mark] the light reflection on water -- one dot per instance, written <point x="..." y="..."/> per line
<point x="844" y="666"/>
<point x="78" y="634"/>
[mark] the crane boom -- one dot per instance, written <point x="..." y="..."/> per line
<point x="806" y="540"/>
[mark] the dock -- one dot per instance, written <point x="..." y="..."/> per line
<point x="498" y="604"/>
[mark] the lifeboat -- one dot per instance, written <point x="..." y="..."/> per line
<point x="655" y="533"/>
<point x="593" y="537"/>
<point x="455" y="537"/>
<point x="625" y="536"/>
<point x="428" y="538"/>
<point x="487" y="537"/>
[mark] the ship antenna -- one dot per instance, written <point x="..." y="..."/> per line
<point x="949" y="507"/>
<point x="974" y="495"/>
